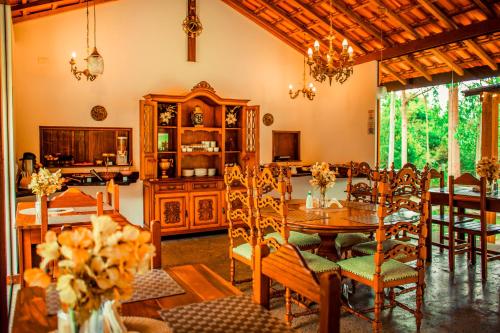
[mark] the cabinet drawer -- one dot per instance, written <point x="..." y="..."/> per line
<point x="171" y="187"/>
<point x="200" y="186"/>
<point x="172" y="211"/>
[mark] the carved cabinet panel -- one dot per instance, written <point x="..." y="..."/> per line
<point x="171" y="211"/>
<point x="205" y="209"/>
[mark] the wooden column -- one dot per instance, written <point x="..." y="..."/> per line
<point x="489" y="137"/>
<point x="453" y="146"/>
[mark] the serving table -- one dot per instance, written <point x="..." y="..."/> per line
<point x="199" y="282"/>
<point x="329" y="222"/>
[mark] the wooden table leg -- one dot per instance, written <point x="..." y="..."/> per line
<point x="327" y="247"/>
<point x="428" y="240"/>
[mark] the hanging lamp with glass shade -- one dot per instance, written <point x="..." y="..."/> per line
<point x="95" y="62"/>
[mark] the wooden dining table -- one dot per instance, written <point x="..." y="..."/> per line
<point x="329" y="222"/>
<point x="29" y="232"/>
<point x="440" y="196"/>
<point x="198" y="281"/>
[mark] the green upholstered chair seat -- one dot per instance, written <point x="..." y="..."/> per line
<point x="392" y="270"/>
<point x="347" y="240"/>
<point x="371" y="247"/>
<point x="298" y="239"/>
<point x="318" y="264"/>
<point x="244" y="250"/>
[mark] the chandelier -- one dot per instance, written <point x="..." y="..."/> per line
<point x="307" y="91"/>
<point x="95" y="62"/>
<point x="331" y="64"/>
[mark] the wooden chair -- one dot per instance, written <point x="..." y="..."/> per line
<point x="239" y="200"/>
<point x="113" y="195"/>
<point x="359" y="192"/>
<point x="275" y="187"/>
<point x="276" y="170"/>
<point x="381" y="270"/>
<point x="155" y="230"/>
<point x="272" y="213"/>
<point x="287" y="267"/>
<point x="473" y="228"/>
<point x="442" y="219"/>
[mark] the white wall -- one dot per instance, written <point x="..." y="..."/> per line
<point x="145" y="51"/>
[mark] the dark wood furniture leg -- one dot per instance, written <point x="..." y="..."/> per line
<point x="428" y="241"/>
<point x="327" y="247"/>
<point x="329" y="312"/>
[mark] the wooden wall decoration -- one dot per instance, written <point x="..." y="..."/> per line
<point x="99" y="113"/>
<point x="268" y="119"/>
<point x="193" y="28"/>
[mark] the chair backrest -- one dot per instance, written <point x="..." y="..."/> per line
<point x="270" y="212"/>
<point x="391" y="203"/>
<point x="287" y="267"/>
<point x="362" y="191"/>
<point x="239" y="200"/>
<point x="113" y="195"/>
<point x="439" y="176"/>
<point x="276" y="171"/>
<point x="155" y="229"/>
<point x="468" y="180"/>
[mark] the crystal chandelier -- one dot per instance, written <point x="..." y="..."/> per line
<point x="331" y="64"/>
<point x="307" y="91"/>
<point x="95" y="62"/>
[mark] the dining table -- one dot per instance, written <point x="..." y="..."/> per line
<point x="329" y="222"/>
<point x="440" y="196"/>
<point x="200" y="284"/>
<point x="29" y="231"/>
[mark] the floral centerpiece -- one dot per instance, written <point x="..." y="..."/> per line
<point x="44" y="183"/>
<point x="322" y="178"/>
<point x="92" y="266"/>
<point x="488" y="168"/>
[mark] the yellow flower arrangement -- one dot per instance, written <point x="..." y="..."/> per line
<point x="488" y="168"/>
<point x="45" y="182"/>
<point x="93" y="266"/>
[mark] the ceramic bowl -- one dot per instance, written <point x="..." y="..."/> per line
<point x="216" y="149"/>
<point x="126" y="173"/>
<point x="212" y="172"/>
<point x="187" y="172"/>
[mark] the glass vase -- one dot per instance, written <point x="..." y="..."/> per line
<point x="67" y="322"/>
<point x="38" y="209"/>
<point x="322" y="197"/>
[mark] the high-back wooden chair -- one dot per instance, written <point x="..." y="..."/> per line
<point x="239" y="200"/>
<point x="276" y="171"/>
<point x="381" y="270"/>
<point x="288" y="267"/>
<point x="475" y="227"/>
<point x="113" y="195"/>
<point x="366" y="190"/>
<point x="272" y="213"/>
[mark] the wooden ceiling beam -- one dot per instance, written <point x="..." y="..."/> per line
<point x="448" y="61"/>
<point x="394" y="74"/>
<point x="485" y="8"/>
<point x="447" y="37"/>
<point x="352" y="15"/>
<point x="314" y="13"/>
<point x="242" y="9"/>
<point x="450" y="24"/>
<point x="419" y="68"/>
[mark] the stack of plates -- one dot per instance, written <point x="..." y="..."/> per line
<point x="199" y="172"/>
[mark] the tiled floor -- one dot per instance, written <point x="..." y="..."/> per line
<point x="457" y="302"/>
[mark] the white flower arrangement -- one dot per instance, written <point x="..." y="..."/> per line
<point x="488" y="168"/>
<point x="45" y="182"/>
<point x="170" y="113"/>
<point x="231" y="118"/>
<point x="322" y="176"/>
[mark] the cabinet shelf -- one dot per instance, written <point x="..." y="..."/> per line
<point x="201" y="129"/>
<point x="233" y="151"/>
<point x="201" y="153"/>
<point x="233" y="128"/>
<point x="167" y="152"/>
<point x="167" y="127"/>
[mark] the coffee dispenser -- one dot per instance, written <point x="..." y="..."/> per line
<point x="122" y="153"/>
<point x="28" y="164"/>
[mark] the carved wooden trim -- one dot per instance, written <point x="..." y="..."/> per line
<point x="203" y="85"/>
<point x="171" y="212"/>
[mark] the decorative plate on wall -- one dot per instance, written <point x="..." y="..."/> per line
<point x="99" y="113"/>
<point x="268" y="119"/>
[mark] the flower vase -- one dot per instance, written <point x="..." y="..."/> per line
<point x="322" y="198"/>
<point x="38" y="209"/>
<point x="67" y="322"/>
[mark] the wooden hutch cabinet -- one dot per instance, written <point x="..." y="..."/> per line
<point x="172" y="134"/>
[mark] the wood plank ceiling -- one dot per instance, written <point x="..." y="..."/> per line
<point x="421" y="39"/>
<point x="23" y="10"/>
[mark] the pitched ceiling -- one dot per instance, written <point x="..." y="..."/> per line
<point x="421" y="39"/>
